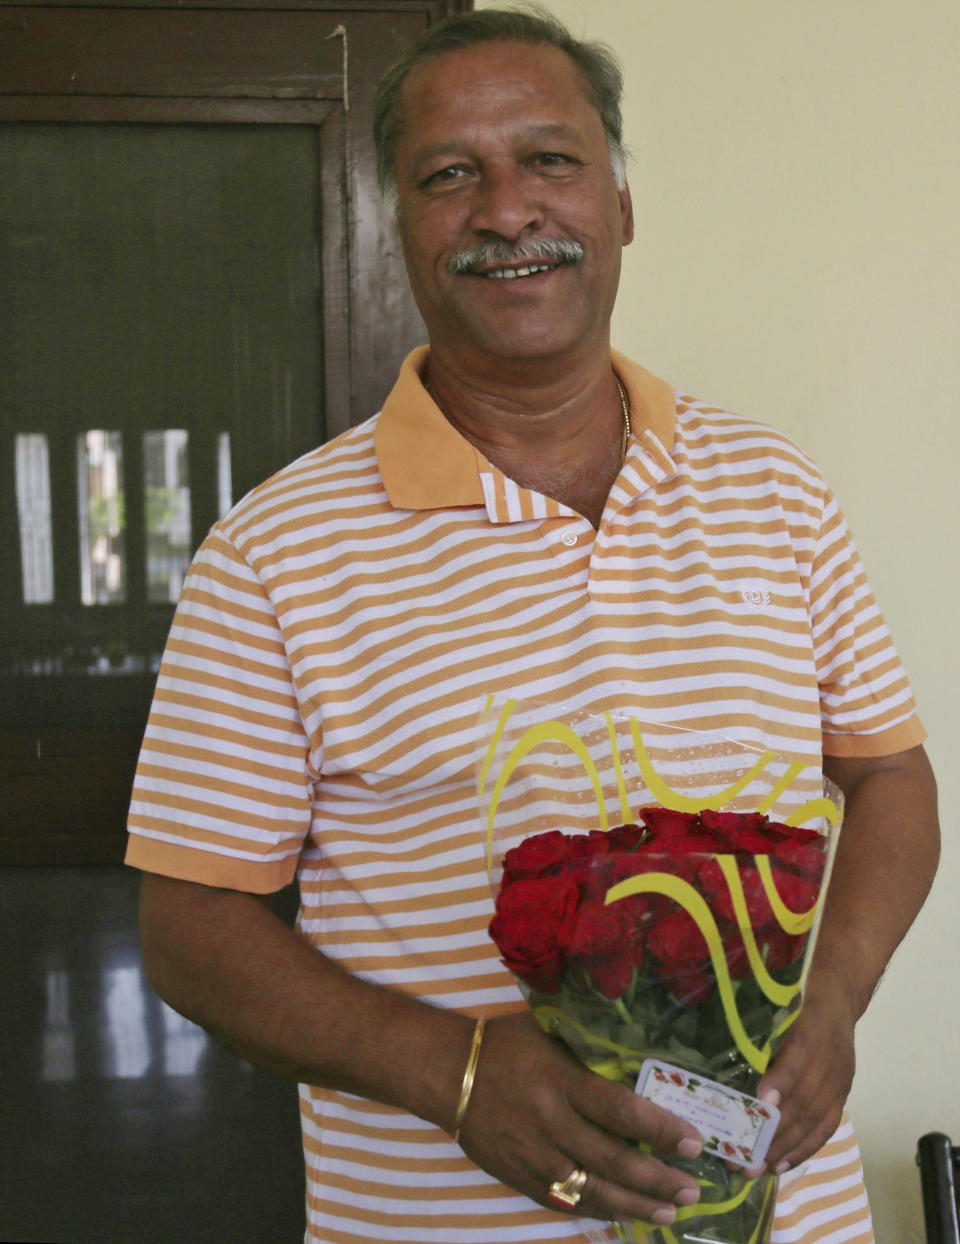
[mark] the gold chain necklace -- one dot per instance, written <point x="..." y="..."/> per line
<point x="627" y="430"/>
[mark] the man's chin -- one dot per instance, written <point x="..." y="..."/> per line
<point x="514" y="339"/>
<point x="515" y="352"/>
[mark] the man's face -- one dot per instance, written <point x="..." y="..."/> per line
<point x="500" y="145"/>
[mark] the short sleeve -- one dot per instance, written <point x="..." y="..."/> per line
<point x="866" y="704"/>
<point x="223" y="791"/>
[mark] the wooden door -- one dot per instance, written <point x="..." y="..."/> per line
<point x="196" y="286"/>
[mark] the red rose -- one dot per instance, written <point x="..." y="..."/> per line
<point x="796" y="833"/>
<point x="598" y="929"/>
<point x="666" y="823"/>
<point x="597" y="842"/>
<point x="735" y="952"/>
<point x="594" y="875"/>
<point x="612" y="974"/>
<point x="639" y="908"/>
<point x="693" y="985"/>
<point x="738" y="831"/>
<point x="649" y="906"/>
<point x="749" y="842"/>
<point x="540" y="855"/>
<point x="682" y="844"/>
<point x="733" y="822"/>
<point x="533" y="922"/>
<point x="807" y="858"/>
<point x="676" y="939"/>
<point x="797" y="893"/>
<point x="676" y="856"/>
<point x="625" y="837"/>
<point x="603" y="938"/>
<point x="715" y="887"/>
<point x="781" y="948"/>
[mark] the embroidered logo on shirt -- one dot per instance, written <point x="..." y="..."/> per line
<point x="755" y="593"/>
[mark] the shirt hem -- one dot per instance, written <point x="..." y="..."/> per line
<point x="208" y="868"/>
<point x="901" y="738"/>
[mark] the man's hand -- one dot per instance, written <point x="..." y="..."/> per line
<point x="811" y="1078"/>
<point x="536" y="1114"/>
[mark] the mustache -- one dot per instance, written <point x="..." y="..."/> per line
<point x="474" y="258"/>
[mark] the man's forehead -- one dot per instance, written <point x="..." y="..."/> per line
<point x="456" y="80"/>
<point x="540" y="132"/>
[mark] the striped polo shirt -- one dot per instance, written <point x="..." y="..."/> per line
<point x="316" y="715"/>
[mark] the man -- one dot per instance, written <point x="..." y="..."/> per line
<point x="534" y="515"/>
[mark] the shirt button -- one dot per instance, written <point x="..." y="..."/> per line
<point x="569" y="538"/>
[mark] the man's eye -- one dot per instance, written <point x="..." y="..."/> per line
<point x="552" y="159"/>
<point x="450" y="173"/>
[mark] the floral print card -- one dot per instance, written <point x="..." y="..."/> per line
<point x="734" y="1125"/>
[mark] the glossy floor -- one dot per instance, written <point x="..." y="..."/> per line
<point x="123" y="1123"/>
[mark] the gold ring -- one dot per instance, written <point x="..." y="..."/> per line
<point x="569" y="1191"/>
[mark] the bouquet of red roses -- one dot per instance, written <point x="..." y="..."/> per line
<point x="619" y="958"/>
<point x="673" y="946"/>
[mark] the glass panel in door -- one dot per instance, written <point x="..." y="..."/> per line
<point x="161" y="316"/>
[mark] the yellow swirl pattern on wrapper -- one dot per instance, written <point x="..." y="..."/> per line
<point x="683" y="893"/>
<point x="670" y="798"/>
<point x="640" y="1231"/>
<point x="546" y="732"/>
<point x="793" y="923"/>
<point x="780" y="787"/>
<point x="625" y="810"/>
<point x="659" y="789"/>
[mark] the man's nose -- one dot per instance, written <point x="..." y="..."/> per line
<point x="506" y="203"/>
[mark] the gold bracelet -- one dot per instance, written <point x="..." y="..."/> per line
<point x="466" y="1088"/>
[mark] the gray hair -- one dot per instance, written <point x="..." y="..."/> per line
<point x="597" y="64"/>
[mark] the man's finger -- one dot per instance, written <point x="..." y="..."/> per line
<point x="639" y="1179"/>
<point x="622" y="1113"/>
<point x="614" y="1202"/>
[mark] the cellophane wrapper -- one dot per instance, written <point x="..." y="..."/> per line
<point x="674" y="919"/>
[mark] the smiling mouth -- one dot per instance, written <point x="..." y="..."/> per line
<point x="511" y="274"/>
<point x="505" y="261"/>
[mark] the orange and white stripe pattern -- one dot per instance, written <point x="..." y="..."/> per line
<point x="824" y="1201"/>
<point x="339" y="633"/>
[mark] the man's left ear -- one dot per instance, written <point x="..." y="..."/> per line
<point x="626" y="214"/>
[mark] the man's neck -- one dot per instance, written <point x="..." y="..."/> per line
<point x="558" y="432"/>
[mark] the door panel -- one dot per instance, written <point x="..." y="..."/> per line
<point x="196" y="286"/>
<point x="162" y="348"/>
<point x="175" y="319"/>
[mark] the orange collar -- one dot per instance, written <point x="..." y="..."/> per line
<point x="426" y="464"/>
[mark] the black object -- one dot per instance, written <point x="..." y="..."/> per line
<point x="938" y="1160"/>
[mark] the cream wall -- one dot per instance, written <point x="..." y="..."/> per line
<point x="796" y="180"/>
